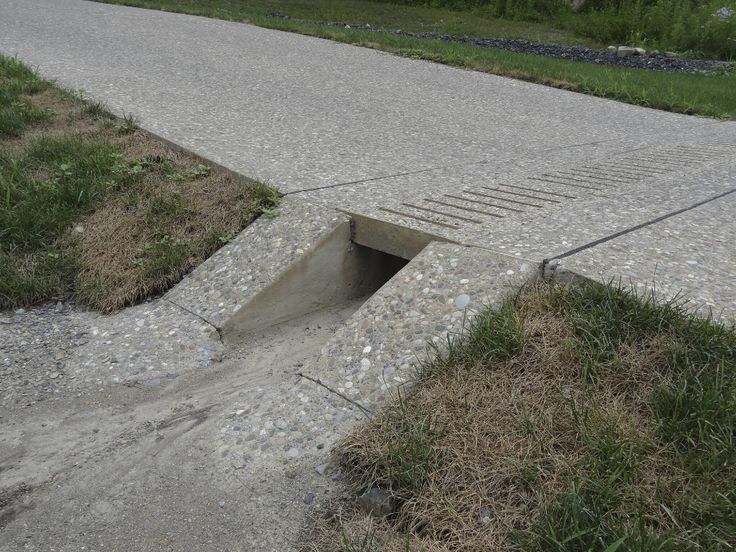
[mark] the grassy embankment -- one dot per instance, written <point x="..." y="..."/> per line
<point x="569" y="419"/>
<point x="93" y="209"/>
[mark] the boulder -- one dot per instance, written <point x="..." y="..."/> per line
<point x="625" y="51"/>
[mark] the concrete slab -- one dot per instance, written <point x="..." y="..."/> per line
<point x="690" y="255"/>
<point x="295" y="423"/>
<point x="544" y="211"/>
<point x="226" y="452"/>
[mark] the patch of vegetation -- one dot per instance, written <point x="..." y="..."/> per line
<point x="17" y="82"/>
<point x="93" y="209"/>
<point x="127" y="124"/>
<point x="697" y="27"/>
<point x="570" y="419"/>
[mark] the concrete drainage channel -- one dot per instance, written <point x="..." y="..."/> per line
<point x="219" y="443"/>
<point x="335" y="274"/>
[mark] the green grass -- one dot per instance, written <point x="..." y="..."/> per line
<point x="55" y="182"/>
<point x="384" y="15"/>
<point x="587" y="418"/>
<point x="95" y="210"/>
<point x="17" y="81"/>
<point x="707" y="95"/>
<point x="693" y="410"/>
<point x="681" y="25"/>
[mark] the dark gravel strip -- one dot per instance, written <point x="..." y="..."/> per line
<point x="651" y="62"/>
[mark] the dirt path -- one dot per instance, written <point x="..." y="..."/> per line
<point x="134" y="467"/>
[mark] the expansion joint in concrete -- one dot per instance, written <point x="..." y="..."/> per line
<point x="202" y="318"/>
<point x="363" y="409"/>
<point x="635" y="228"/>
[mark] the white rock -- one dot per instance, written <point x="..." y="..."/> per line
<point x="625" y="51"/>
<point x="462" y="301"/>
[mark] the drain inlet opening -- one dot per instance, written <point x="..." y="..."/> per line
<point x="334" y="272"/>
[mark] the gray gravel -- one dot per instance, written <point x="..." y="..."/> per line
<point x="34" y="348"/>
<point x="652" y="62"/>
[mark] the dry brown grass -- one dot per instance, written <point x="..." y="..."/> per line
<point x="508" y="437"/>
<point x="164" y="213"/>
<point x="351" y="531"/>
<point x="200" y="211"/>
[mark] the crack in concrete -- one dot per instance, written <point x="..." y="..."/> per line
<point x="368" y="414"/>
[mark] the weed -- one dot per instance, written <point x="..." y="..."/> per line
<point x="266" y="201"/>
<point x="98" y="110"/>
<point x="178" y="175"/>
<point x="127" y="124"/>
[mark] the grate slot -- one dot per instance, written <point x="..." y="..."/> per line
<point x="441" y="213"/>
<point x="421" y="219"/>
<point x="464" y="208"/>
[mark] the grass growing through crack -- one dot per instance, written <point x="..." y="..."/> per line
<point x="570" y="419"/>
<point x="94" y="209"/>
<point x="699" y="94"/>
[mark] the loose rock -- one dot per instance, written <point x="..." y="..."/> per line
<point x="377" y="503"/>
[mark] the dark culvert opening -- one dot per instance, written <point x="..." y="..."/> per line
<point x="334" y="272"/>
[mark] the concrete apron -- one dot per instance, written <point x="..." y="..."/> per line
<point x="295" y="334"/>
<point x="289" y="336"/>
<point x="283" y="341"/>
<point x="281" y="428"/>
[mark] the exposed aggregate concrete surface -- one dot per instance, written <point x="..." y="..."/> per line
<point x="144" y="431"/>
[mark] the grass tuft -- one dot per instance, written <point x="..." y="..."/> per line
<point x="17" y="82"/>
